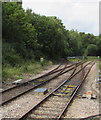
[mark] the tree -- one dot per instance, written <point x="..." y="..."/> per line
<point x="92" y="50"/>
<point x="18" y="31"/>
<point x="98" y="39"/>
<point x="33" y="35"/>
<point x="75" y="43"/>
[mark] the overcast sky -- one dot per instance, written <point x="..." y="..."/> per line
<point x="81" y="15"/>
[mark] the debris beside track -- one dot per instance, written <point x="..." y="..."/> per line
<point x="17" y="82"/>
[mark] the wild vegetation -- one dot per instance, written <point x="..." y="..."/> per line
<point x="100" y="65"/>
<point x="27" y="36"/>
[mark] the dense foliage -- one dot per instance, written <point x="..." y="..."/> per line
<point x="27" y="35"/>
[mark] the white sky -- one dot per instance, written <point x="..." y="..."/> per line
<point x="81" y="15"/>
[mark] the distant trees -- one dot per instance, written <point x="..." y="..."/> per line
<point x="33" y="36"/>
<point x="98" y="40"/>
<point x="92" y="50"/>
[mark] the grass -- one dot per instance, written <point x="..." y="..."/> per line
<point x="19" y="72"/>
<point x="88" y="58"/>
<point x="9" y="72"/>
<point x="100" y="64"/>
<point x="75" y="60"/>
<point x="31" y="68"/>
<point x="92" y="57"/>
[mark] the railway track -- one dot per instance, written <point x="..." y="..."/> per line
<point x="22" y="83"/>
<point x="16" y="91"/>
<point x="56" y="103"/>
<point x="93" y="117"/>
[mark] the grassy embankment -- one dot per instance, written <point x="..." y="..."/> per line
<point x="27" y="68"/>
<point x="31" y="68"/>
<point x="100" y="65"/>
<point x="16" y="66"/>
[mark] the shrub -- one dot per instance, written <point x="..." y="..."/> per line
<point x="10" y="56"/>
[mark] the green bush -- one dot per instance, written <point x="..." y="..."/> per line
<point x="10" y="72"/>
<point x="92" y="49"/>
<point x="10" y="56"/>
<point x="28" y="67"/>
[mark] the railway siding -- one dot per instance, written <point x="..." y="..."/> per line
<point x="18" y="106"/>
<point x="47" y="99"/>
<point x="23" y="88"/>
<point x="47" y="110"/>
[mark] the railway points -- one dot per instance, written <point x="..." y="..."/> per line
<point x="60" y="97"/>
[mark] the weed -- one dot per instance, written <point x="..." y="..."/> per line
<point x="18" y="72"/>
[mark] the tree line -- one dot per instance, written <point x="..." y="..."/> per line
<point x="27" y="35"/>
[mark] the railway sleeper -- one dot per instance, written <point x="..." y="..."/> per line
<point x="59" y="101"/>
<point x="62" y="94"/>
<point x="55" y="104"/>
<point x="56" y="98"/>
<point x="48" y="114"/>
<point x="50" y="108"/>
<point x="33" y="116"/>
<point x="53" y="112"/>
